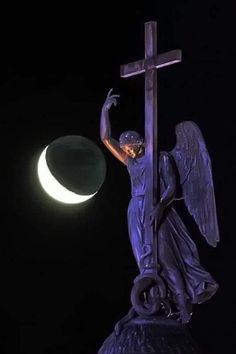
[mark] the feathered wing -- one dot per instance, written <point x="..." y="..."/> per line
<point x="195" y="172"/>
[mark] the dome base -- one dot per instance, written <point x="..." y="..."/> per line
<point x="154" y="335"/>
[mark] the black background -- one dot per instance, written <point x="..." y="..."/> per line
<point x="67" y="271"/>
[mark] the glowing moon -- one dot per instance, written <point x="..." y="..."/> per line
<point x="53" y="188"/>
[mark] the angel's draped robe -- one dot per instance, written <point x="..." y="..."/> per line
<point x="177" y="253"/>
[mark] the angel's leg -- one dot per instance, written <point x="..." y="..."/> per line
<point x="136" y="228"/>
<point x="168" y="258"/>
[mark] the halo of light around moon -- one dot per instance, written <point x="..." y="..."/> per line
<point x="71" y="169"/>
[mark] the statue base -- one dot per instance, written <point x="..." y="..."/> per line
<point x="156" y="335"/>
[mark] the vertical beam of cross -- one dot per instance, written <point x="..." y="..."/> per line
<point x="148" y="66"/>
<point x="151" y="161"/>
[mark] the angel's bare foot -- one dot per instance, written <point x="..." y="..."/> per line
<point x="185" y="316"/>
<point x="185" y="308"/>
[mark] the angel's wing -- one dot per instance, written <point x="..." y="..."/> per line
<point x="195" y="172"/>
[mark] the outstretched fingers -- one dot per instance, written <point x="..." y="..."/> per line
<point x="109" y="94"/>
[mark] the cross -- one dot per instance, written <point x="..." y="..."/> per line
<point x="148" y="66"/>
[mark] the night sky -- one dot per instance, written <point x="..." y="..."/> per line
<point x="67" y="271"/>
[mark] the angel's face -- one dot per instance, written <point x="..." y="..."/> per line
<point x="132" y="150"/>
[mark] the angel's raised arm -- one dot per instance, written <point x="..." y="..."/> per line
<point x="105" y="129"/>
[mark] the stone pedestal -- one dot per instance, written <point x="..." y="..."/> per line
<point x="154" y="335"/>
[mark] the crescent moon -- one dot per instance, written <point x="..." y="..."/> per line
<point x="53" y="188"/>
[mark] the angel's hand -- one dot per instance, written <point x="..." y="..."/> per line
<point x="110" y="100"/>
<point x="156" y="214"/>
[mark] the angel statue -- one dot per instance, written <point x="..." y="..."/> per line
<point x="187" y="167"/>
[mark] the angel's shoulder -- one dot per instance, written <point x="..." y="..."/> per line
<point x="166" y="162"/>
<point x="166" y="158"/>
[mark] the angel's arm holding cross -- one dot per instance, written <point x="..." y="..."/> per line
<point x="167" y="186"/>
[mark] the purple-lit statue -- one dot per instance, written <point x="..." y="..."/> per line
<point x="182" y="281"/>
<point x="171" y="278"/>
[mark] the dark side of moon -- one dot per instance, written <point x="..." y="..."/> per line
<point x="77" y="163"/>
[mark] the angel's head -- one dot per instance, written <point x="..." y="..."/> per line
<point x="132" y="143"/>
